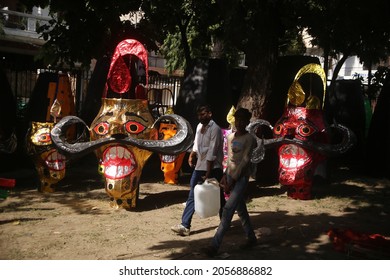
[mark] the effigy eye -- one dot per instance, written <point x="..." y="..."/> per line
<point x="101" y="128"/>
<point x="278" y="130"/>
<point x="305" y="130"/>
<point x="134" y="127"/>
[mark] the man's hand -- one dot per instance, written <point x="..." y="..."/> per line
<point x="227" y="187"/>
<point x="223" y="183"/>
<point x="192" y="159"/>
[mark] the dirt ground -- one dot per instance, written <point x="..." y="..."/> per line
<point x="77" y="223"/>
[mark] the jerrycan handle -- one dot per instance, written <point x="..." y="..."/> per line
<point x="212" y="181"/>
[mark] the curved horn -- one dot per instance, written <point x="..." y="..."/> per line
<point x="180" y="142"/>
<point x="346" y="143"/>
<point x="76" y="149"/>
<point x="259" y="152"/>
<point x="262" y="144"/>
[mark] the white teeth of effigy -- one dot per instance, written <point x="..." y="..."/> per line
<point x="125" y="153"/>
<point x="55" y="165"/>
<point x="52" y="156"/>
<point x="293" y="150"/>
<point x="120" y="151"/>
<point x="290" y="162"/>
<point x="55" y="161"/>
<point x="293" y="162"/>
<point x="119" y="169"/>
<point x="168" y="158"/>
<point x="111" y="170"/>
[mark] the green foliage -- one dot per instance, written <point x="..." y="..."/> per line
<point x="378" y="81"/>
<point x="82" y="30"/>
<point x="172" y="52"/>
<point x="188" y="27"/>
<point x="185" y="29"/>
<point x="291" y="43"/>
<point x="350" y="27"/>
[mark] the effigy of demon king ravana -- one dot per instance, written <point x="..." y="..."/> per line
<point x="51" y="100"/>
<point x="124" y="134"/>
<point x="303" y="136"/>
<point x="170" y="164"/>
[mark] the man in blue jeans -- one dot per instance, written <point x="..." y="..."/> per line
<point x="206" y="156"/>
<point x="235" y="181"/>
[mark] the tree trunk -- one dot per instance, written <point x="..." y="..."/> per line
<point x="337" y="70"/>
<point x="261" y="59"/>
<point x="258" y="80"/>
<point x="334" y="77"/>
<point x="184" y="42"/>
<point x="326" y="61"/>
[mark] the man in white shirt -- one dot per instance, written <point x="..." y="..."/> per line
<point x="206" y="157"/>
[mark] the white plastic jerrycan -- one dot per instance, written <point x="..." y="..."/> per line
<point x="207" y="198"/>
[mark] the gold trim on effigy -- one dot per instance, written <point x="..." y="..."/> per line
<point x="296" y="94"/>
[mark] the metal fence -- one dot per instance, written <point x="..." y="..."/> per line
<point x="22" y="83"/>
<point x="171" y="84"/>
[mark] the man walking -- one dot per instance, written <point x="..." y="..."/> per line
<point x="206" y="156"/>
